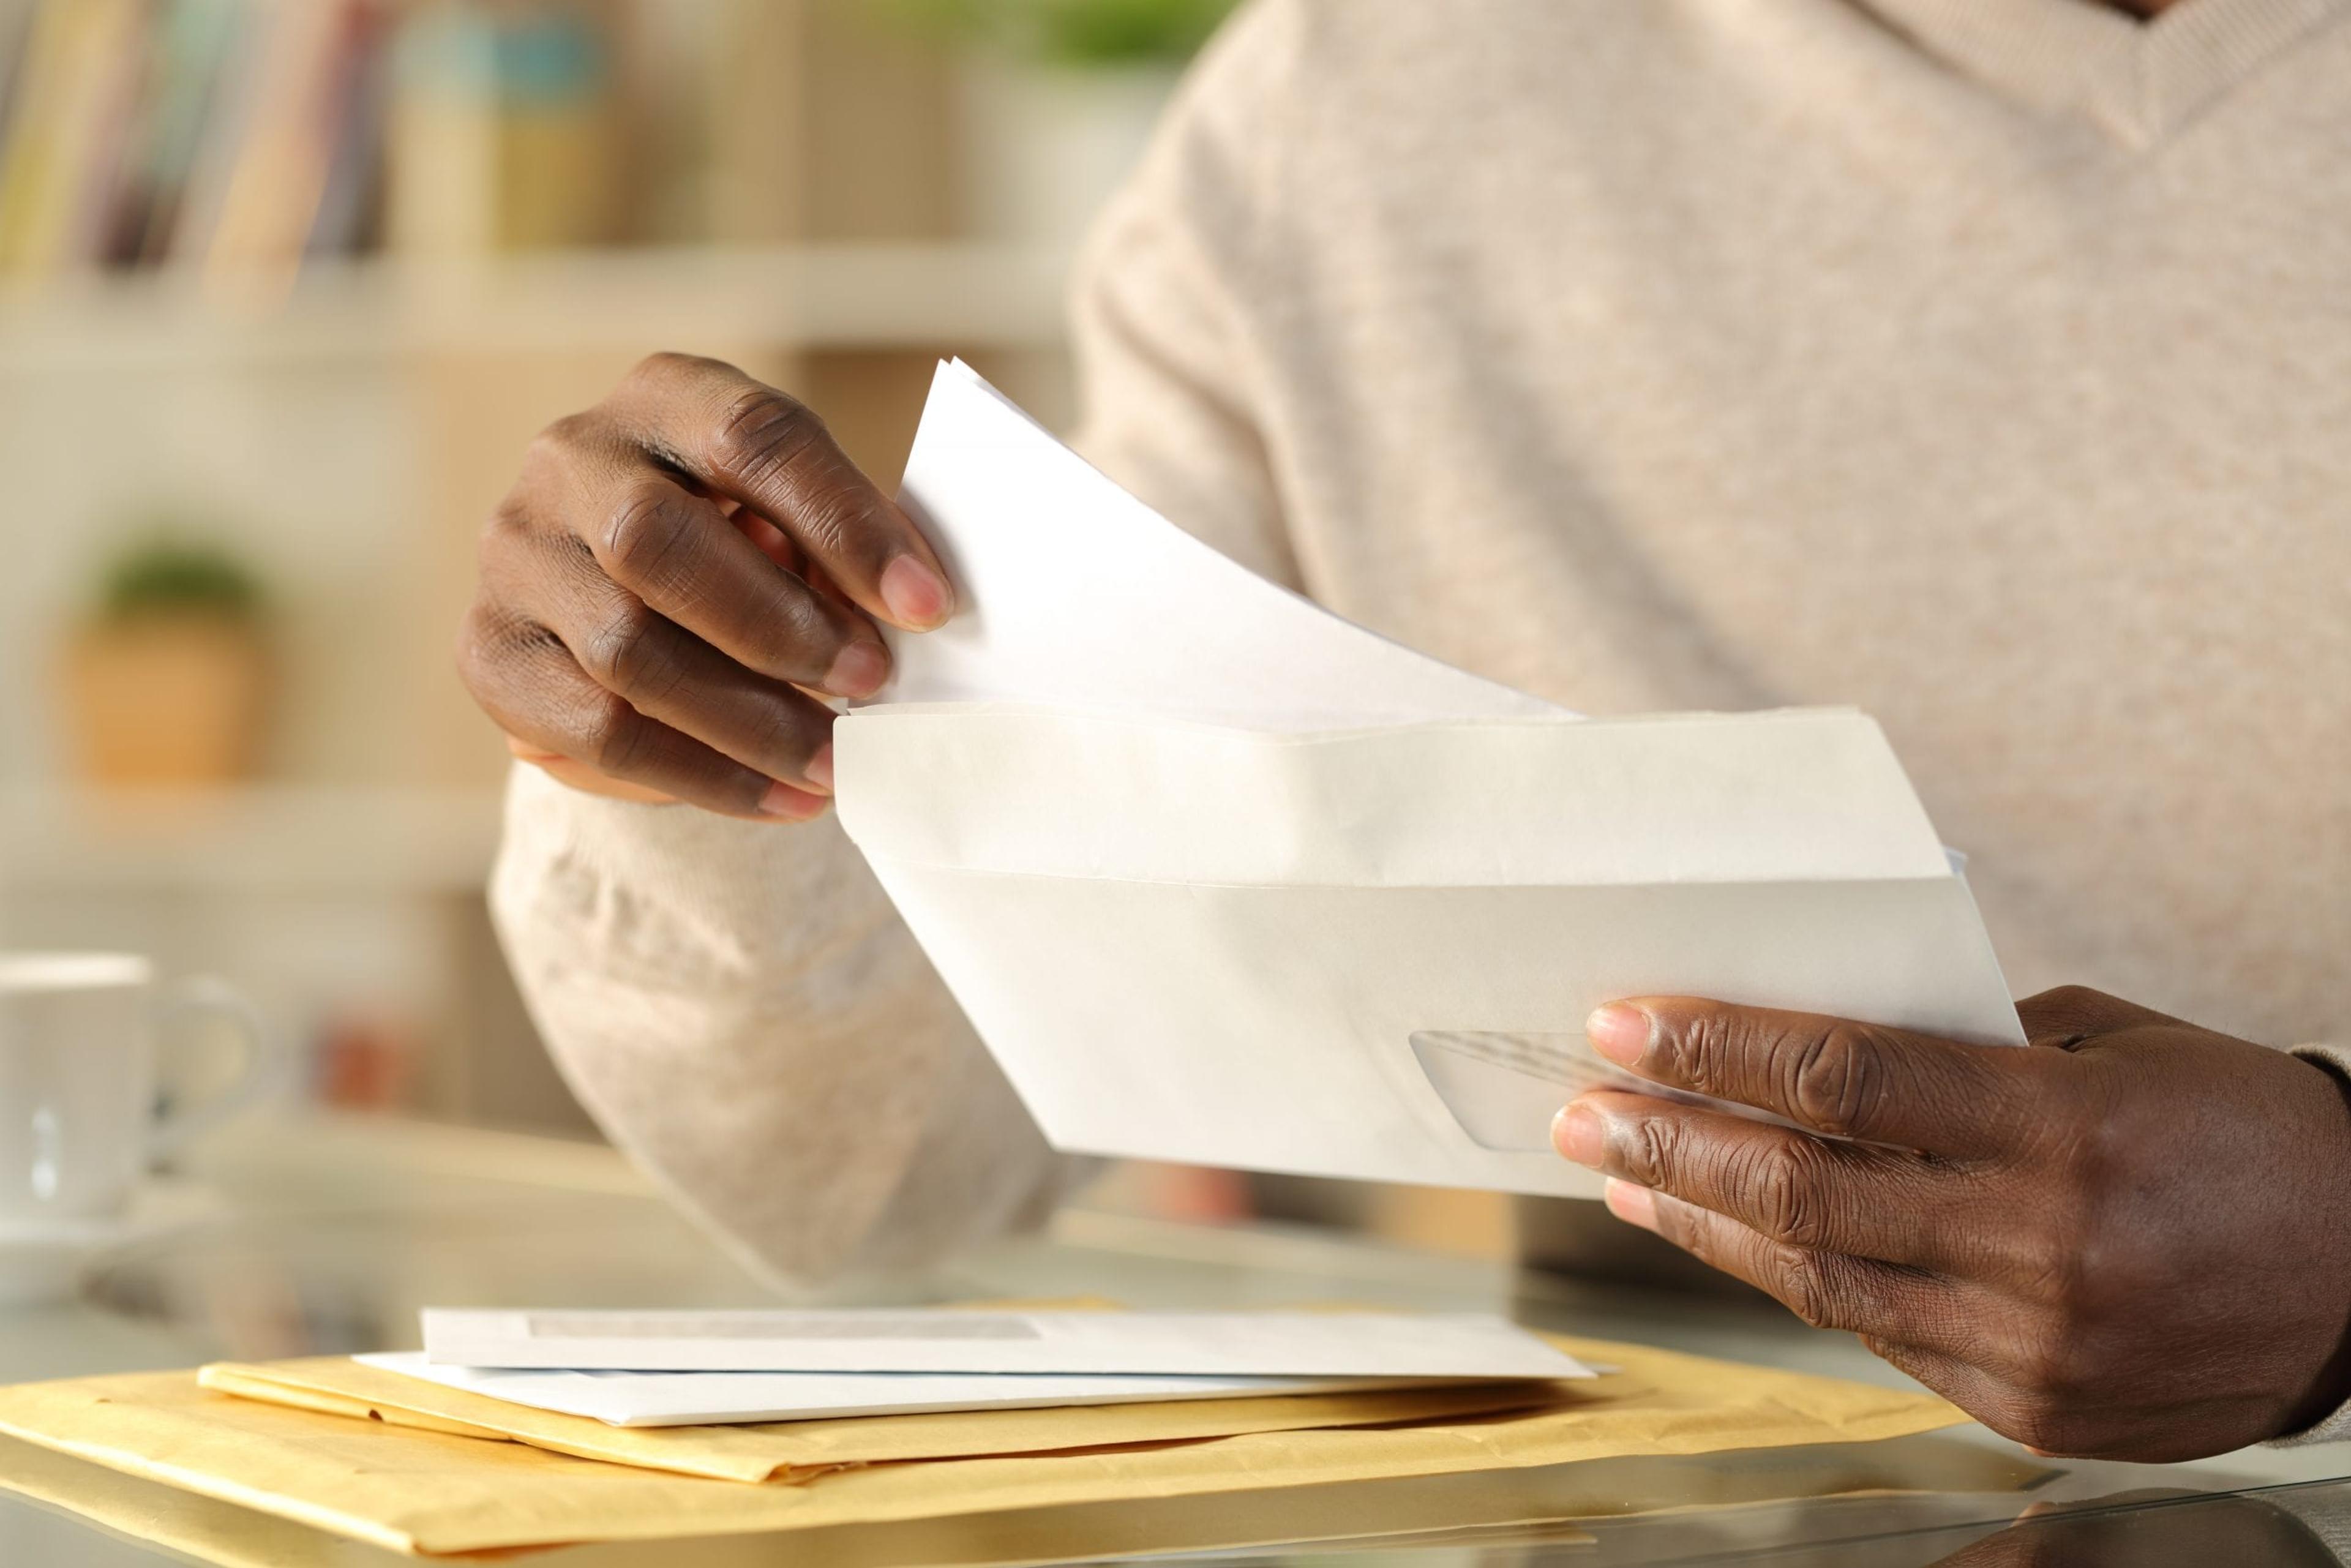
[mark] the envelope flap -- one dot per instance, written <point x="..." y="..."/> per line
<point x="1790" y="796"/>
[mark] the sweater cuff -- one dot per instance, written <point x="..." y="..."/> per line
<point x="2335" y="1427"/>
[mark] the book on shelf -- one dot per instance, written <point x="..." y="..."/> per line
<point x="81" y="58"/>
<point x="190" y="48"/>
<point x="302" y="95"/>
<point x="237" y="140"/>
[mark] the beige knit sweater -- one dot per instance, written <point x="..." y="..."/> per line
<point x="1986" y="364"/>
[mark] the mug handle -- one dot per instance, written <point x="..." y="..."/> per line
<point x="190" y="1001"/>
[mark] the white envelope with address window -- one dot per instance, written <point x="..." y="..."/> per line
<point x="1219" y="877"/>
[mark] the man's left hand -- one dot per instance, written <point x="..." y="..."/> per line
<point x="2131" y="1240"/>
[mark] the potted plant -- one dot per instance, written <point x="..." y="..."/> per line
<point x="167" y="679"/>
<point x="1058" y="98"/>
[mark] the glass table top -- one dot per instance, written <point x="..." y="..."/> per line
<point x="326" y="1237"/>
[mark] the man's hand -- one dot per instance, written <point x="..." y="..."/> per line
<point x="674" y="573"/>
<point x="2131" y="1240"/>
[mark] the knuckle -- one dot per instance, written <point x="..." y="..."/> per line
<point x="2082" y="1233"/>
<point x="1710" y="1245"/>
<point x="557" y="440"/>
<point x="2045" y="1421"/>
<point x="836" y="521"/>
<point x="1651" y="1153"/>
<point x="624" y="651"/>
<point x="797" y="629"/>
<point x="2047" y="1262"/>
<point x="2071" y="998"/>
<point x="1697" y="1054"/>
<point x="2096" y="1282"/>
<point x="2065" y="1010"/>
<point x="786" y="732"/>
<point x="2054" y="1369"/>
<point x="1785" y="1181"/>
<point x="556" y="451"/>
<point x="491" y="641"/>
<point x="667" y="368"/>
<point x="761" y="434"/>
<point x="611" y="734"/>
<point x="650" y="533"/>
<point x="2077" y="1363"/>
<point x="478" y="649"/>
<point x="508" y="526"/>
<point x="1805" y="1286"/>
<point x="1833" y="1080"/>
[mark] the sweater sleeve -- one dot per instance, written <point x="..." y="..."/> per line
<point x="737" y="1005"/>
<point x="1169" y="373"/>
<point x="2336" y="1427"/>
<point x="741" y="1010"/>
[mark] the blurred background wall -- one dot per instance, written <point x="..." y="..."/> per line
<point x="286" y="285"/>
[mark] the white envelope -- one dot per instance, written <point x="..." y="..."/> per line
<point x="1288" y="1344"/>
<point x="1221" y="878"/>
<point x="706" y="1399"/>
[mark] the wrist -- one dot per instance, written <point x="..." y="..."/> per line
<point x="2323" y="1413"/>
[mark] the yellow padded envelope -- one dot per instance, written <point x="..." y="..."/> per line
<point x="1510" y="1506"/>
<point x="427" y="1491"/>
<point x="800" y="1450"/>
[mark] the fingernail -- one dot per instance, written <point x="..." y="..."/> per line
<point x="1633" y="1205"/>
<point x="789" y="805"/>
<point x="917" y="596"/>
<point x="1576" y="1132"/>
<point x="818" y="770"/>
<point x="859" y="669"/>
<point x="1620" y="1032"/>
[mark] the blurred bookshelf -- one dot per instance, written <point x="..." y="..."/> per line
<point x="240" y="142"/>
<point x="317" y="270"/>
<point x="838" y="297"/>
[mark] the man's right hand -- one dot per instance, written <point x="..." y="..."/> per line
<point x="673" y="574"/>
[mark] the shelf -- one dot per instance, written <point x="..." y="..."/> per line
<point x="364" y="1152"/>
<point x="260" y="838"/>
<point x="812" y="296"/>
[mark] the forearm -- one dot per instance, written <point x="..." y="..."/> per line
<point x="740" y="1008"/>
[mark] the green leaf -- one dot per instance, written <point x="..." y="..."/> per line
<point x="168" y="573"/>
<point x="1086" y="33"/>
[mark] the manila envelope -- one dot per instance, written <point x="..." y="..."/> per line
<point x="434" y="1491"/>
<point x="1494" y="1508"/>
<point x="797" y="1450"/>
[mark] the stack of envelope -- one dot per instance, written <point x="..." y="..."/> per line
<point x="679" y="1368"/>
<point x="584" y="1433"/>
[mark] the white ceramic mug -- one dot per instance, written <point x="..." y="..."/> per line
<point x="78" y="1058"/>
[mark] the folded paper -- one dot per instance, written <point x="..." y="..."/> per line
<point x="434" y="1491"/>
